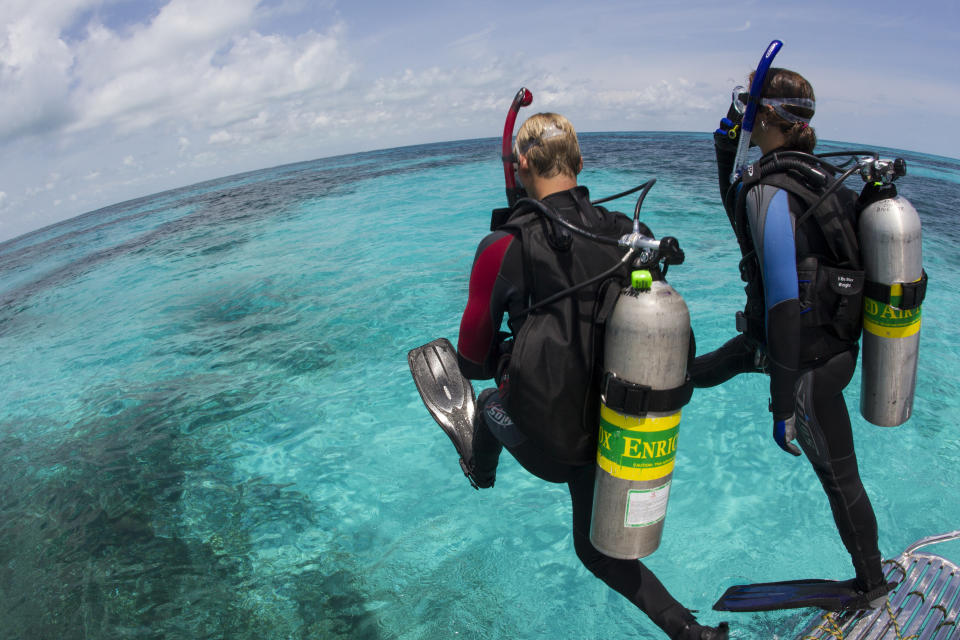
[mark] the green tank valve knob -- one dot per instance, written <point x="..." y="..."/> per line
<point x="641" y="280"/>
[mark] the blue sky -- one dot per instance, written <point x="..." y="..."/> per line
<point x="106" y="100"/>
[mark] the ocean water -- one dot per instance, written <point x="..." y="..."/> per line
<point x="208" y="427"/>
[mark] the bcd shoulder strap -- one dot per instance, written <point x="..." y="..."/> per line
<point x="835" y="215"/>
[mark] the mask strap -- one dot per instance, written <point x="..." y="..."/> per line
<point x="778" y="104"/>
<point x="549" y="132"/>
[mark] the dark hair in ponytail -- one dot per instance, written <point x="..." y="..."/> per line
<point x="783" y="83"/>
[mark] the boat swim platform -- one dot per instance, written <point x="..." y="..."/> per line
<point x="924" y="605"/>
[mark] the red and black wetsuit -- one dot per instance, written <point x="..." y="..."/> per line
<point x="498" y="285"/>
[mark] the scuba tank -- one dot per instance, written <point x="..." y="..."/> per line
<point x="890" y="245"/>
<point x="645" y="382"/>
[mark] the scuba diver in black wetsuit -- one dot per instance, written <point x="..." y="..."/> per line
<point x="802" y="320"/>
<point x="521" y="262"/>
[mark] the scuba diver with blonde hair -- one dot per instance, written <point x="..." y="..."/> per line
<point x="544" y="410"/>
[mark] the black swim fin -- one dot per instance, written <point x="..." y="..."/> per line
<point x="830" y="595"/>
<point x="448" y="395"/>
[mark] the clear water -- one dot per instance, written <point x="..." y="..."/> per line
<point x="208" y="428"/>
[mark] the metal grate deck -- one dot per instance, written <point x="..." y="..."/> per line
<point x="924" y="606"/>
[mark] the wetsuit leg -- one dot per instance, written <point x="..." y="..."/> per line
<point x="824" y="433"/>
<point x="492" y="426"/>
<point x="737" y="355"/>
<point x="630" y="578"/>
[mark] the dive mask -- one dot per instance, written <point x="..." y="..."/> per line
<point x="741" y="97"/>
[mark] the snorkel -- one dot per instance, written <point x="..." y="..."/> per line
<point x="522" y="99"/>
<point x="746" y="127"/>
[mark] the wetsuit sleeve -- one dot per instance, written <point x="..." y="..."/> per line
<point x="772" y="225"/>
<point x="492" y="287"/>
<point x="725" y="159"/>
<point x="726" y="155"/>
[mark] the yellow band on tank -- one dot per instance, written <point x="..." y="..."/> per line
<point x="892" y="332"/>
<point x="635" y="447"/>
<point x="889" y="321"/>
<point x="638" y="423"/>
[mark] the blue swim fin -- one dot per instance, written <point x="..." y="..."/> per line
<point x="447" y="394"/>
<point x="830" y="595"/>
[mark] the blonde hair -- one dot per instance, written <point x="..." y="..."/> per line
<point x="550" y="145"/>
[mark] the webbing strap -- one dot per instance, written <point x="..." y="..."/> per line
<point x="911" y="298"/>
<point x="637" y="399"/>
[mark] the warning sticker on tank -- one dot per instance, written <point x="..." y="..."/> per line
<point x="647" y="507"/>
<point x="635" y="447"/>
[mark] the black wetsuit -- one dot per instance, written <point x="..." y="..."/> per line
<point x="805" y="381"/>
<point x="498" y="286"/>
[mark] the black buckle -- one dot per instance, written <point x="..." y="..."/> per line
<point x="914" y="292"/>
<point x="625" y="397"/>
<point x="741" y="323"/>
<point x="911" y="297"/>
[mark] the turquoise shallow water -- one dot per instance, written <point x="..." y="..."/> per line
<point x="208" y="428"/>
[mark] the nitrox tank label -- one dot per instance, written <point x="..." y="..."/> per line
<point x="886" y="320"/>
<point x="645" y="508"/>
<point x="637" y="448"/>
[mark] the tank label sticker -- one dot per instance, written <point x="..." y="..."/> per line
<point x="646" y="507"/>
<point x="887" y="321"/>
<point x="635" y="447"/>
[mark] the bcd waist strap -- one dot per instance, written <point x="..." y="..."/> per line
<point x="637" y="399"/>
<point x="911" y="298"/>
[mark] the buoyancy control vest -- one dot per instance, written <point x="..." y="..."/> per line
<point x="829" y="267"/>
<point x="551" y="384"/>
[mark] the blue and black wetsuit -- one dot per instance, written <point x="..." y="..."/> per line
<point x="498" y="286"/>
<point x="809" y="363"/>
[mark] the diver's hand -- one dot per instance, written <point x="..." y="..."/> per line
<point x="785" y="432"/>
<point x="727" y="135"/>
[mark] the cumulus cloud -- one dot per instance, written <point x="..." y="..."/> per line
<point x="34" y="75"/>
<point x="195" y="65"/>
<point x="220" y="137"/>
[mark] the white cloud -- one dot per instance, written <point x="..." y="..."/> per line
<point x="34" y="77"/>
<point x="195" y="66"/>
<point x="49" y="185"/>
<point x="170" y="75"/>
<point x="3" y="199"/>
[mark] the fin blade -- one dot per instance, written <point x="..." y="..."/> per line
<point x="447" y="394"/>
<point x="831" y="595"/>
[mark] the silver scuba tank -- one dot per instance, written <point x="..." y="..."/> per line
<point x="890" y="245"/>
<point x="645" y="349"/>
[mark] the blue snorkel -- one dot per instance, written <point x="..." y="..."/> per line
<point x="746" y="127"/>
